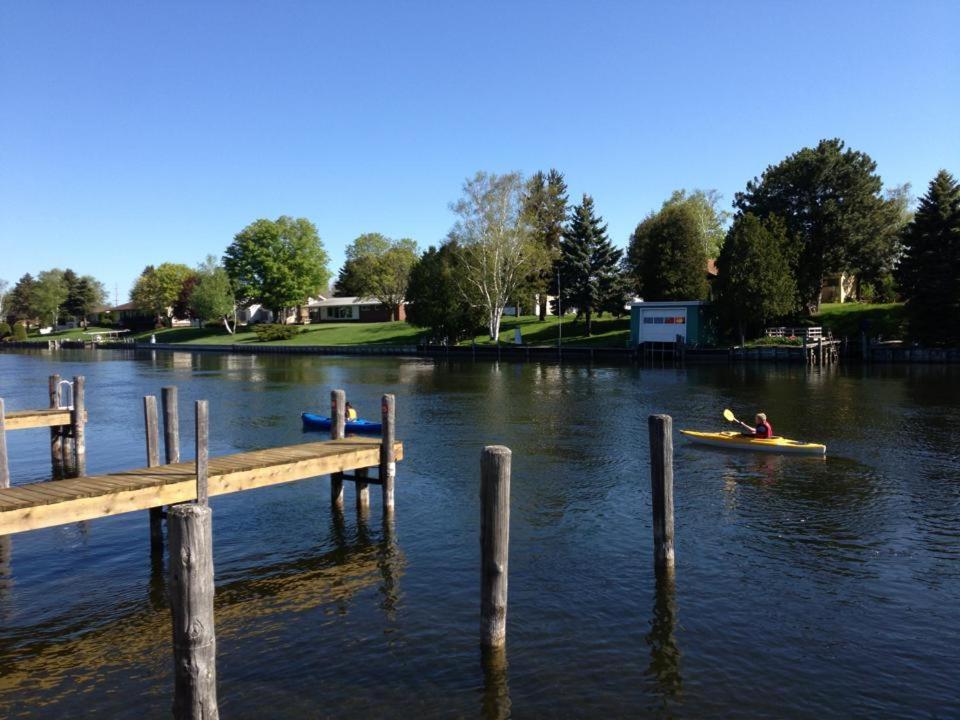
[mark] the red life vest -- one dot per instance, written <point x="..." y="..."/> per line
<point x="764" y="430"/>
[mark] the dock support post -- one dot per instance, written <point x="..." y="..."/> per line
<point x="388" y="460"/>
<point x="363" y="491"/>
<point x="56" y="433"/>
<point x="494" y="544"/>
<point x="820" y="352"/>
<point x="4" y="465"/>
<point x="153" y="460"/>
<point x="171" y="425"/>
<point x="338" y="400"/>
<point x="78" y="427"/>
<point x="191" y="610"/>
<point x="661" y="484"/>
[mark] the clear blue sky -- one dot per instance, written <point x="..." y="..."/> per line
<point x="142" y="132"/>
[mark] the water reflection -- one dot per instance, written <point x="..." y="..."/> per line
<point x="6" y="578"/>
<point x="496" y="685"/>
<point x="664" y="667"/>
<point x="50" y="660"/>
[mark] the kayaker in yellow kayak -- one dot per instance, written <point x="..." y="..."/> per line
<point x="763" y="428"/>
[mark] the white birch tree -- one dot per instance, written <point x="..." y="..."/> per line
<point x="498" y="248"/>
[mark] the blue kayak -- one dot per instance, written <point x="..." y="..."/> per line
<point x="312" y="421"/>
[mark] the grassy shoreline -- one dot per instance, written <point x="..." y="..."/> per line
<point x="607" y="332"/>
<point x="886" y="321"/>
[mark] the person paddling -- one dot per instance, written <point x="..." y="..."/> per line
<point x="351" y="412"/>
<point x="763" y="428"/>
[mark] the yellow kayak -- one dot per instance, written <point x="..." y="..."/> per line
<point x="738" y="441"/>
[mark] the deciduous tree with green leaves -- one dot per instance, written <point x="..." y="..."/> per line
<point x="212" y="296"/>
<point x="589" y="264"/>
<point x="754" y="283"/>
<point x="49" y="295"/>
<point x="830" y="199"/>
<point x="157" y="289"/>
<point x="930" y="268"/>
<point x="711" y="220"/>
<point x="498" y="250"/>
<point x="665" y="258"/>
<point x="277" y="263"/>
<point x="378" y="267"/>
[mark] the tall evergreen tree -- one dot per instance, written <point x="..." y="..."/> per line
<point x="545" y="206"/>
<point x="20" y="301"/>
<point x="435" y="298"/>
<point x="930" y="268"/>
<point x="754" y="284"/>
<point x="589" y="263"/>
<point x="829" y="197"/>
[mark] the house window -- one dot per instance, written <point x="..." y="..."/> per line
<point x="343" y="312"/>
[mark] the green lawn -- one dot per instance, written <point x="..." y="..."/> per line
<point x="384" y="333"/>
<point x="607" y="332"/>
<point x="844" y="320"/>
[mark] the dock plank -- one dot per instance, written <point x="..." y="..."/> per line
<point x="55" y="502"/>
<point x="47" y="417"/>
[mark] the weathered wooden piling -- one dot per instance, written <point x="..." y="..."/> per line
<point x="661" y="485"/>
<point x="363" y="490"/>
<point x="338" y="409"/>
<point x="203" y="450"/>
<point x="78" y="427"/>
<point x="171" y="424"/>
<point x="153" y="460"/>
<point x="191" y="610"/>
<point x="66" y="435"/>
<point x="494" y="543"/>
<point x="388" y="461"/>
<point x="4" y="463"/>
<point x="56" y="432"/>
<point x="190" y="529"/>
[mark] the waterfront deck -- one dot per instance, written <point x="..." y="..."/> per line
<point x="56" y="502"/>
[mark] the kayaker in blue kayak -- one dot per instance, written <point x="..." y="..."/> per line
<point x="763" y="428"/>
<point x="351" y="412"/>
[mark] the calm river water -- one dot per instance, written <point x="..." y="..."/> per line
<point x="805" y="588"/>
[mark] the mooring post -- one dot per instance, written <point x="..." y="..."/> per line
<point x="171" y="424"/>
<point x="203" y="450"/>
<point x="4" y="465"/>
<point x="661" y="484"/>
<point x="56" y="432"/>
<point x="388" y="459"/>
<point x="78" y="427"/>
<point x="820" y="351"/>
<point x="191" y="611"/>
<point x="153" y="460"/>
<point x="494" y="543"/>
<point x="338" y="401"/>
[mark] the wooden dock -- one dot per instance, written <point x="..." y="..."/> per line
<point x="44" y="504"/>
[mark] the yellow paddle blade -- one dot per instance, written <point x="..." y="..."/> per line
<point x="728" y="415"/>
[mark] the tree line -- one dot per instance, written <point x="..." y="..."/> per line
<point x="52" y="298"/>
<point x="819" y="212"/>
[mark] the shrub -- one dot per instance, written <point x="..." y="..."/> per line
<point x="106" y="321"/>
<point x="19" y="332"/>
<point x="274" y="331"/>
<point x="4" y="330"/>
